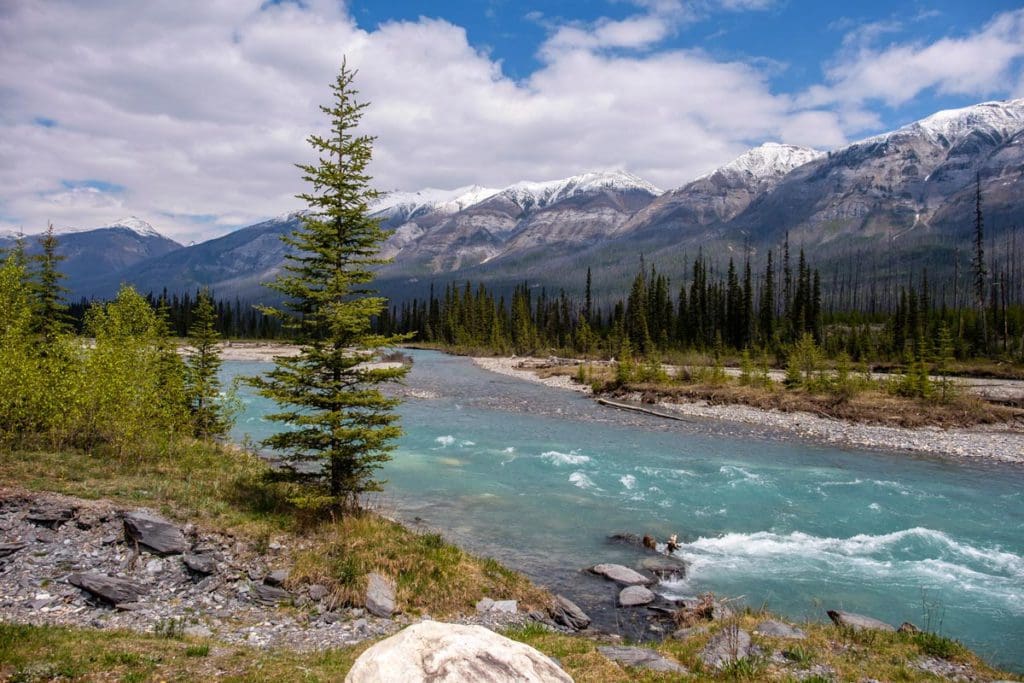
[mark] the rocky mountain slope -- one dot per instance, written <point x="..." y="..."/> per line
<point x="904" y="199"/>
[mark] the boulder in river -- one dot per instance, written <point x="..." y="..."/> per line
<point x="565" y="612"/>
<point x="154" y="533"/>
<point x="454" y="653"/>
<point x="665" y="567"/>
<point x="635" y="596"/>
<point x="380" y="596"/>
<point x="858" y="622"/>
<point x="641" y="658"/>
<point x="622" y="575"/>
<point x="110" y="589"/>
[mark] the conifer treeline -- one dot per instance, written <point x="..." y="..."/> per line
<point x="710" y="312"/>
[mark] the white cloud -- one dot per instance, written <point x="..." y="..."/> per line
<point x="979" y="64"/>
<point x="200" y="108"/>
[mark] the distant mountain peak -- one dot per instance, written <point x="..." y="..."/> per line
<point x="1005" y="117"/>
<point x="136" y="225"/>
<point x="769" y="160"/>
<point x="529" y="194"/>
<point x="431" y="199"/>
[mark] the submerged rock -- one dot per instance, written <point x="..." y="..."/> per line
<point x="857" y="622"/>
<point x="154" y="533"/>
<point x="641" y="658"/>
<point x="380" y="596"/>
<point x="565" y="612"/>
<point x="432" y="651"/>
<point x="665" y="567"/>
<point x="621" y="574"/>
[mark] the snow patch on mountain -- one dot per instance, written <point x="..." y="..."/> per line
<point x="768" y="161"/>
<point x="534" y="195"/>
<point x="1005" y="118"/>
<point x="432" y="200"/>
<point x="136" y="225"/>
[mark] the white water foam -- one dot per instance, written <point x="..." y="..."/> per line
<point x="629" y="481"/>
<point x="571" y="458"/>
<point x="466" y="444"/>
<point x="510" y="449"/>
<point x="445" y="441"/>
<point x="745" y="475"/>
<point x="582" y="481"/>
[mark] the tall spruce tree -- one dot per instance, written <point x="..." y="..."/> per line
<point x="341" y="427"/>
<point x="210" y="415"/>
<point x="52" y="312"/>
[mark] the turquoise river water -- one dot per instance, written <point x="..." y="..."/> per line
<point x="538" y="478"/>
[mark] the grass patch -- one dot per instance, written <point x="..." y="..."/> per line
<point x="227" y="490"/>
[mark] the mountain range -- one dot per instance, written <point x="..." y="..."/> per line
<point x="893" y="203"/>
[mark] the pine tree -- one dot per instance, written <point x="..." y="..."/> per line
<point x="52" y="312"/>
<point x="342" y="427"/>
<point x="202" y="384"/>
<point x="978" y="265"/>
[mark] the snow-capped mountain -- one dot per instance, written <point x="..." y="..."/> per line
<point x="130" y="223"/>
<point x="723" y="193"/>
<point x="408" y="205"/>
<point x="522" y="216"/>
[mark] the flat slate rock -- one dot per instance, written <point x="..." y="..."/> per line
<point x="50" y="517"/>
<point x="858" y="622"/>
<point x="200" y="563"/>
<point x="725" y="647"/>
<point x="110" y="589"/>
<point x="777" y="629"/>
<point x="567" y="613"/>
<point x="270" y="595"/>
<point x="635" y="596"/>
<point x="664" y="566"/>
<point x="641" y="658"/>
<point x="154" y="533"/>
<point x="276" y="577"/>
<point x="10" y="548"/>
<point x="689" y="632"/>
<point x="380" y="596"/>
<point x="621" y="574"/>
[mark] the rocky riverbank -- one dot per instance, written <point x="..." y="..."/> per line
<point x="994" y="442"/>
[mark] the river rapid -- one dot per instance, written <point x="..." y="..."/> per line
<point x="538" y="478"/>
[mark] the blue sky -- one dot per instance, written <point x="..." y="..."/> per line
<point x="191" y="114"/>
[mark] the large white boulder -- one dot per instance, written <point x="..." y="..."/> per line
<point x="452" y="653"/>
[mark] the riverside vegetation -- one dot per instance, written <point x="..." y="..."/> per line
<point x="121" y="417"/>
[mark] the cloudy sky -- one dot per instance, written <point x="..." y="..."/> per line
<point x="190" y="114"/>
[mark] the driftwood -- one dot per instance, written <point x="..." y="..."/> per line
<point x="641" y="409"/>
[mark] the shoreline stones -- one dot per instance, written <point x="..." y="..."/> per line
<point x="635" y="596"/>
<point x="154" y="533"/>
<point x="111" y="589"/>
<point x="777" y="629"/>
<point x="434" y="651"/>
<point x="729" y="645"/>
<point x="380" y="596"/>
<point x="621" y="575"/>
<point x="858" y="622"/>
<point x="642" y="658"/>
<point x="567" y="613"/>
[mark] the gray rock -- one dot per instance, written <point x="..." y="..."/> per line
<point x="197" y="631"/>
<point x="110" y="589"/>
<point x="641" y="658"/>
<point x="155" y="566"/>
<point x="729" y="645"/>
<point x="635" y="596"/>
<point x="565" y="612"/>
<point x="317" y="592"/>
<point x="505" y="606"/>
<point x="10" y="548"/>
<point x="857" y="622"/>
<point x="622" y="575"/>
<point x="270" y="595"/>
<point x="484" y="605"/>
<point x="777" y="629"/>
<point x="691" y="632"/>
<point x="665" y="567"/>
<point x="154" y="533"/>
<point x="51" y="517"/>
<point x="200" y="563"/>
<point x="907" y="627"/>
<point x="380" y="596"/>
<point x="454" y="653"/>
<point x="276" y="577"/>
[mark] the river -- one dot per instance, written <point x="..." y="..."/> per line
<point x="538" y="478"/>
